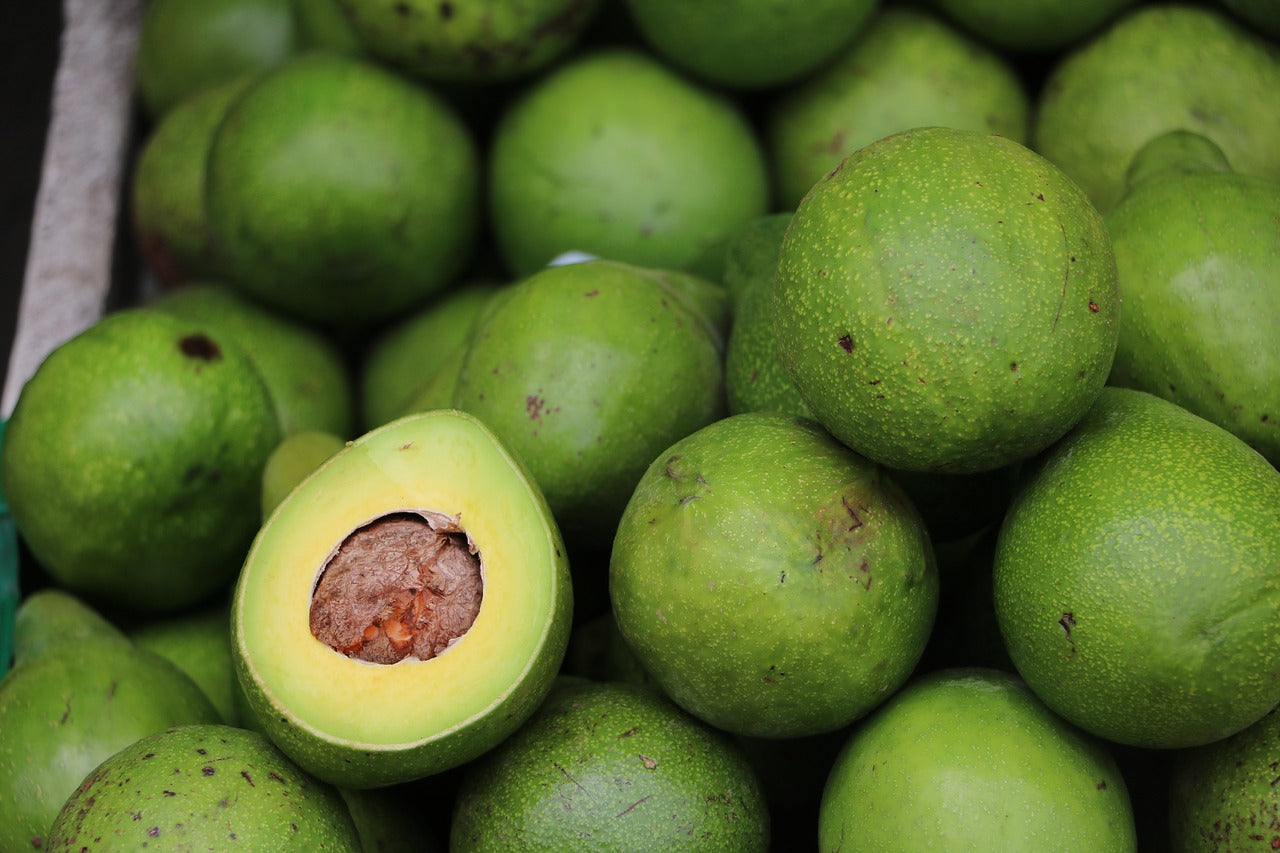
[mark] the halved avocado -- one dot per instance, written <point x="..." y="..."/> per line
<point x="406" y="607"/>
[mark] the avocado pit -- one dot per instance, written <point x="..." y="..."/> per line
<point x="406" y="584"/>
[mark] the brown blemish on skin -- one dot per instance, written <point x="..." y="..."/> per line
<point x="445" y="10"/>
<point x="1093" y="306"/>
<point x="404" y="585"/>
<point x="1067" y="622"/>
<point x="846" y="343"/>
<point x="201" y="346"/>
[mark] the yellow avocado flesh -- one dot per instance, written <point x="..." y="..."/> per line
<point x="443" y="462"/>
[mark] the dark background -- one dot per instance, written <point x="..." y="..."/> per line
<point x="29" y="34"/>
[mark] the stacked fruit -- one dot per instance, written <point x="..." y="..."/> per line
<point x="707" y="425"/>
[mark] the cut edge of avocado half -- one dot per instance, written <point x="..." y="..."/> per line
<point x="426" y="677"/>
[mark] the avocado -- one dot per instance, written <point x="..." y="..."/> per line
<point x="341" y="193"/>
<point x="66" y="709"/>
<point x="611" y="766"/>
<point x="203" y="786"/>
<point x="186" y="46"/>
<point x="1199" y="270"/>
<point x="304" y="370"/>
<point x="473" y="42"/>
<point x="198" y="642"/>
<point x="292" y="461"/>
<point x="167" y="185"/>
<point x="587" y="372"/>
<point x="616" y="154"/>
<point x="946" y="301"/>
<point x="771" y="581"/>
<point x="970" y="759"/>
<point x="323" y="25"/>
<point x="1035" y="27"/>
<point x="748" y="44"/>
<point x="1222" y="795"/>
<point x="1160" y="67"/>
<point x="50" y="616"/>
<point x="908" y="68"/>
<point x="405" y="608"/>
<point x="133" y="459"/>
<point x="1133" y="578"/>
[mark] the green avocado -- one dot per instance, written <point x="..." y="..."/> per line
<point x="133" y="460"/>
<point x="946" y="301"/>
<point x="1134" y="578"/>
<point x="610" y="766"/>
<point x="772" y="581"/>
<point x="303" y="369"/>
<point x="198" y="642"/>
<point x="341" y="193"/>
<point x="51" y="616"/>
<point x="405" y="608"/>
<point x="1160" y="67"/>
<point x="587" y="372"/>
<point x="1199" y="271"/>
<point x="203" y="787"/>
<point x="292" y="461"/>
<point x="1032" y="26"/>
<point x="70" y="707"/>
<point x="970" y="759"/>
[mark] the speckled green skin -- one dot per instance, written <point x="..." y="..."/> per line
<point x="185" y="46"/>
<point x="755" y="380"/>
<point x="946" y="301"/>
<point x="1199" y="271"/>
<point x="50" y="616"/>
<point x="770" y="580"/>
<point x="1161" y="67"/>
<point x="64" y="711"/>
<point x="133" y="459"/>
<point x="609" y="766"/>
<point x="340" y="192"/>
<point x="749" y="45"/>
<point x="969" y="759"/>
<point x="303" y="369"/>
<point x="1223" y="795"/>
<point x="617" y="155"/>
<point x="907" y="69"/>
<point x="203" y="787"/>
<point x="1040" y="26"/>
<point x="199" y="644"/>
<point x="469" y="41"/>
<point x="168" y="181"/>
<point x="1134" y="576"/>
<point x="402" y="359"/>
<point x="587" y="372"/>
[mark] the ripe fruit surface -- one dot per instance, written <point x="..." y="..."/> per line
<point x="1040" y="26"/>
<point x="969" y="759"/>
<point x="341" y="193"/>
<point x="611" y="766"/>
<point x="1199" y="268"/>
<point x="405" y="608"/>
<point x="772" y="581"/>
<point x="133" y="459"/>
<point x="1161" y="67"/>
<point x="1134" y="577"/>
<point x="617" y="155"/>
<point x="203" y="787"/>
<point x="946" y="301"/>
<point x="587" y="372"/>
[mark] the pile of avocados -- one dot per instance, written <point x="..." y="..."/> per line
<point x="650" y="425"/>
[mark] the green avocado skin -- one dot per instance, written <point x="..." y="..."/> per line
<point x="1199" y="271"/>
<point x="1223" y="795"/>
<point x="1134" y="576"/>
<point x="611" y="766"/>
<point x="70" y="707"/>
<point x="969" y="759"/>
<point x="203" y="787"/>
<point x="133" y="459"/>
<point x="946" y="301"/>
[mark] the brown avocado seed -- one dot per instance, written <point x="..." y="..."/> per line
<point x="404" y="585"/>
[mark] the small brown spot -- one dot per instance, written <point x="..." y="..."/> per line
<point x="200" y="346"/>
<point x="846" y="343"/>
<point x="207" y="771"/>
<point x="1013" y="365"/>
<point x="629" y="732"/>
<point x="590" y="293"/>
<point x="445" y="10"/>
<point x="154" y="832"/>
<point x="1102" y="784"/>
<point x="1093" y="306"/>
<point x="649" y="763"/>
<point x="247" y="777"/>
<point x="1040" y="196"/>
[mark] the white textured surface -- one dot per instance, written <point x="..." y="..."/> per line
<point x="68" y="272"/>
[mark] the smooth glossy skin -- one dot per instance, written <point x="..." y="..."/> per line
<point x="1032" y="26"/>
<point x="1135" y="579"/>
<point x="946" y="301"/>
<point x="1199" y="271"/>
<point x="969" y="759"/>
